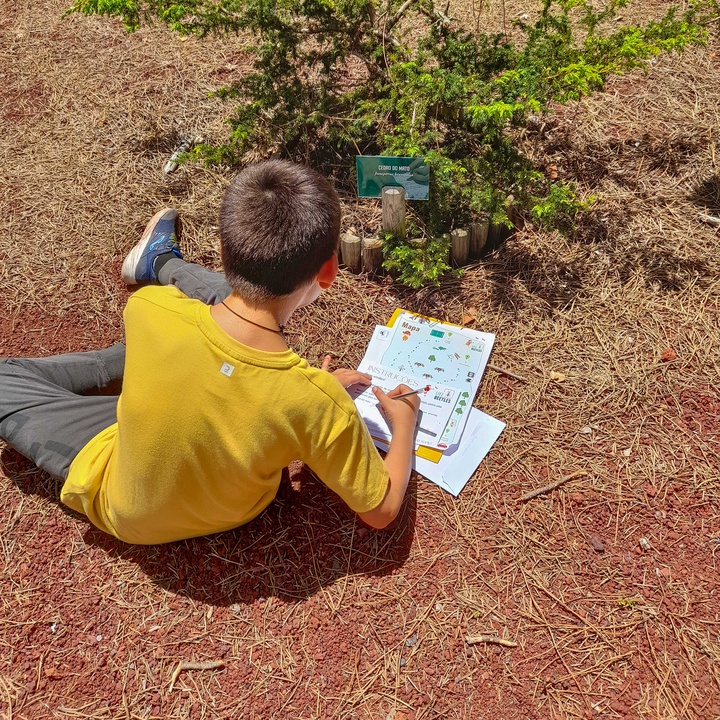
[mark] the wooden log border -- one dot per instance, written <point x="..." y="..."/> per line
<point x="372" y="255"/>
<point x="351" y="251"/>
<point x="466" y="244"/>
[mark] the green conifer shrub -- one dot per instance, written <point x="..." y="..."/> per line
<point x="337" y="78"/>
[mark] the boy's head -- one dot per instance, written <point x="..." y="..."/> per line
<point x="279" y="224"/>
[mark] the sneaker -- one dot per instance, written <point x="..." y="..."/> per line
<point x="160" y="237"/>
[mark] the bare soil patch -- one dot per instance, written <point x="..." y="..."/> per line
<point x="608" y="585"/>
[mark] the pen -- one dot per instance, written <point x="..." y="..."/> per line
<point x="412" y="392"/>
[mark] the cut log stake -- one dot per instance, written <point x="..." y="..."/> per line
<point x="498" y="234"/>
<point x="478" y="237"/>
<point x="393" y="211"/>
<point x="351" y="247"/>
<point x="445" y="237"/>
<point x="460" y="246"/>
<point x="372" y="255"/>
<point x="512" y="213"/>
<point x="494" y="235"/>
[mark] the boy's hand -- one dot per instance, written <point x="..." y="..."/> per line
<point x="401" y="412"/>
<point x="346" y="377"/>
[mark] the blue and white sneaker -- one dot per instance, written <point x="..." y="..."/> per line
<point x="160" y="237"/>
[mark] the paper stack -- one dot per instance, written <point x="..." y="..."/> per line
<point x="453" y="437"/>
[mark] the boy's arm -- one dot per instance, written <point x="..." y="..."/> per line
<point x="346" y="377"/>
<point x="402" y="416"/>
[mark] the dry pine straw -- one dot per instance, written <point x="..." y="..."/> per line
<point x="306" y="614"/>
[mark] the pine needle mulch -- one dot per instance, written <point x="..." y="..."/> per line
<point x="597" y="598"/>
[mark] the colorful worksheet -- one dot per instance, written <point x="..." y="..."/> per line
<point x="447" y="362"/>
<point x="436" y="404"/>
<point x="436" y="354"/>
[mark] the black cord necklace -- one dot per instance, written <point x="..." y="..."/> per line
<point x="279" y="332"/>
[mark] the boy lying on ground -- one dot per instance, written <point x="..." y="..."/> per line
<point x="213" y="404"/>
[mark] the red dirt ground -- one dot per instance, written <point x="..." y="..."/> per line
<point x="316" y="616"/>
<point x="312" y="615"/>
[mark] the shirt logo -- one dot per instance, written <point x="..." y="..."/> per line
<point x="227" y="369"/>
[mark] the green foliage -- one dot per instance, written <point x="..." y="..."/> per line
<point x="336" y="78"/>
<point x="627" y="603"/>
<point x="417" y="263"/>
<point x="558" y="207"/>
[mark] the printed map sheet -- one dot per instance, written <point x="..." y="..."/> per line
<point x="425" y="352"/>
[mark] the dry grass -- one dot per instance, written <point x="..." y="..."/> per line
<point x="313" y="616"/>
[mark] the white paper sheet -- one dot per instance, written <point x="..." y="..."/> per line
<point x="457" y="466"/>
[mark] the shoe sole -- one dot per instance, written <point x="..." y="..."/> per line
<point x="130" y="263"/>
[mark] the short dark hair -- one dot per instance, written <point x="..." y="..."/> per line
<point x="279" y="223"/>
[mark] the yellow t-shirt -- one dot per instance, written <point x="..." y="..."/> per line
<point x="205" y="427"/>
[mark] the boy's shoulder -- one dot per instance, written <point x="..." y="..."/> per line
<point x="159" y="298"/>
<point x="326" y="387"/>
<point x="313" y="384"/>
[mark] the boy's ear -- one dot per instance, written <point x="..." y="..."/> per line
<point x="328" y="272"/>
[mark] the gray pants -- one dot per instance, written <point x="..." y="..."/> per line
<point x="47" y="410"/>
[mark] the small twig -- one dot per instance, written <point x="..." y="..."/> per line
<point x="8" y="700"/>
<point x="387" y="37"/>
<point x="71" y="712"/>
<point x="494" y="639"/>
<point x="503" y="371"/>
<point x="710" y="219"/>
<point x="552" y="486"/>
<point x="189" y="665"/>
<point x="436" y="14"/>
<point x="401" y="11"/>
<point x="209" y="665"/>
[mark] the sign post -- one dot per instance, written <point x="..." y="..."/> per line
<point x="394" y="179"/>
<point x="393" y="210"/>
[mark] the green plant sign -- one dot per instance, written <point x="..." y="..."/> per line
<point x="374" y="172"/>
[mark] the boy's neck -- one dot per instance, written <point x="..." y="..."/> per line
<point x="256" y="325"/>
